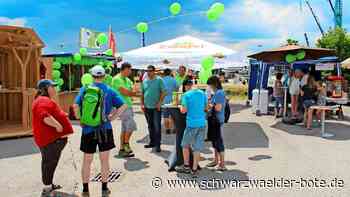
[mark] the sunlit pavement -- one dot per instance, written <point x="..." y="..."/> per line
<point x="265" y="157"/>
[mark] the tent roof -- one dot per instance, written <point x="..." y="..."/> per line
<point x="180" y="49"/>
<point x="346" y="63"/>
<point x="72" y="54"/>
<point x="19" y="37"/>
<point x="278" y="54"/>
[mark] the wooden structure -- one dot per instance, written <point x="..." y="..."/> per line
<point x="20" y="51"/>
<point x="71" y="73"/>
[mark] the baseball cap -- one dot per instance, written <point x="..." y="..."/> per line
<point x="45" y="83"/>
<point x="98" y="71"/>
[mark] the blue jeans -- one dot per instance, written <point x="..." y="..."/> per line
<point x="153" y="118"/>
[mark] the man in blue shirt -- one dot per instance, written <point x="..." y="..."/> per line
<point x="102" y="135"/>
<point x="194" y="103"/>
<point x="153" y="93"/>
<point x="170" y="86"/>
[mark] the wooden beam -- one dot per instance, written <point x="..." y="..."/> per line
<point x="20" y="47"/>
<point x="27" y="58"/>
<point x="17" y="56"/>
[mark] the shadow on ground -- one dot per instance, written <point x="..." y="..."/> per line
<point x="17" y="147"/>
<point x="244" y="135"/>
<point x="212" y="180"/>
<point x="135" y="164"/>
<point x="238" y="107"/>
<point x="236" y="135"/>
<point x="259" y="157"/>
<point x="341" y="130"/>
<point x="60" y="194"/>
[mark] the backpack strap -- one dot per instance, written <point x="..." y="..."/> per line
<point x="97" y="105"/>
<point x="81" y="106"/>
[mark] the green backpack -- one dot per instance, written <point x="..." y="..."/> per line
<point x="91" y="110"/>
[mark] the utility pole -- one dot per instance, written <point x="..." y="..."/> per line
<point x="143" y="43"/>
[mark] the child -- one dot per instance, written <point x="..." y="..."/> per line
<point x="194" y="103"/>
<point x="278" y="94"/>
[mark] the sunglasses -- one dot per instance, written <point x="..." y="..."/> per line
<point x="150" y="71"/>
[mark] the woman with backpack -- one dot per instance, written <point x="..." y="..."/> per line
<point x="51" y="128"/>
<point x="216" y="120"/>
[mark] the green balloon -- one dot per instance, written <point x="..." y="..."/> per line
<point x="56" y="74"/>
<point x="204" y="75"/>
<point x="101" y="63"/>
<point x="77" y="57"/>
<point x="83" y="51"/>
<point x="175" y="8"/>
<point x="142" y="27"/>
<point x="108" y="79"/>
<point x="87" y="79"/>
<point x="208" y="63"/>
<point x="60" y="81"/>
<point x="102" y="39"/>
<point x="56" y="65"/>
<point x="109" y="64"/>
<point x="213" y="15"/>
<point x="290" y="58"/>
<point x="58" y="89"/>
<point x="301" y="55"/>
<point x="109" y="52"/>
<point x="219" y="7"/>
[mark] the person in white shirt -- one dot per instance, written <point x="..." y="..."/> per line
<point x="294" y="91"/>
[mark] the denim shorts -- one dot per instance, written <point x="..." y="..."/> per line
<point x="166" y="113"/>
<point x="308" y="103"/>
<point x="128" y="122"/>
<point x="279" y="102"/>
<point x="194" y="137"/>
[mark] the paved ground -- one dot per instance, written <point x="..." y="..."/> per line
<point x="258" y="148"/>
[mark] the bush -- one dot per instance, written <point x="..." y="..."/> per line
<point x="236" y="91"/>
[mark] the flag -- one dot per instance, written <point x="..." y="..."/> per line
<point x="88" y="38"/>
<point x="111" y="41"/>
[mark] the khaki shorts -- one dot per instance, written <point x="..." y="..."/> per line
<point x="128" y="122"/>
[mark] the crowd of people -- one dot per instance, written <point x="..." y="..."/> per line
<point x="98" y="104"/>
<point x="304" y="92"/>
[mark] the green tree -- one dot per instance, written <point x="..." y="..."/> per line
<point x="291" y="41"/>
<point x="338" y="39"/>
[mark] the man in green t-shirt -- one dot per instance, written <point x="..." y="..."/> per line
<point x="124" y="87"/>
<point x="181" y="75"/>
<point x="153" y="93"/>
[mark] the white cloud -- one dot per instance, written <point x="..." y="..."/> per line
<point x="270" y="18"/>
<point x="13" y="22"/>
<point x="215" y="37"/>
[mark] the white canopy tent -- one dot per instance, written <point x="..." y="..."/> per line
<point x="346" y="63"/>
<point x="184" y="50"/>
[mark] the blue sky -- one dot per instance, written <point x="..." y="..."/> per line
<point x="245" y="25"/>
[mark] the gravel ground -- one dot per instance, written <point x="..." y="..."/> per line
<point x="259" y="150"/>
